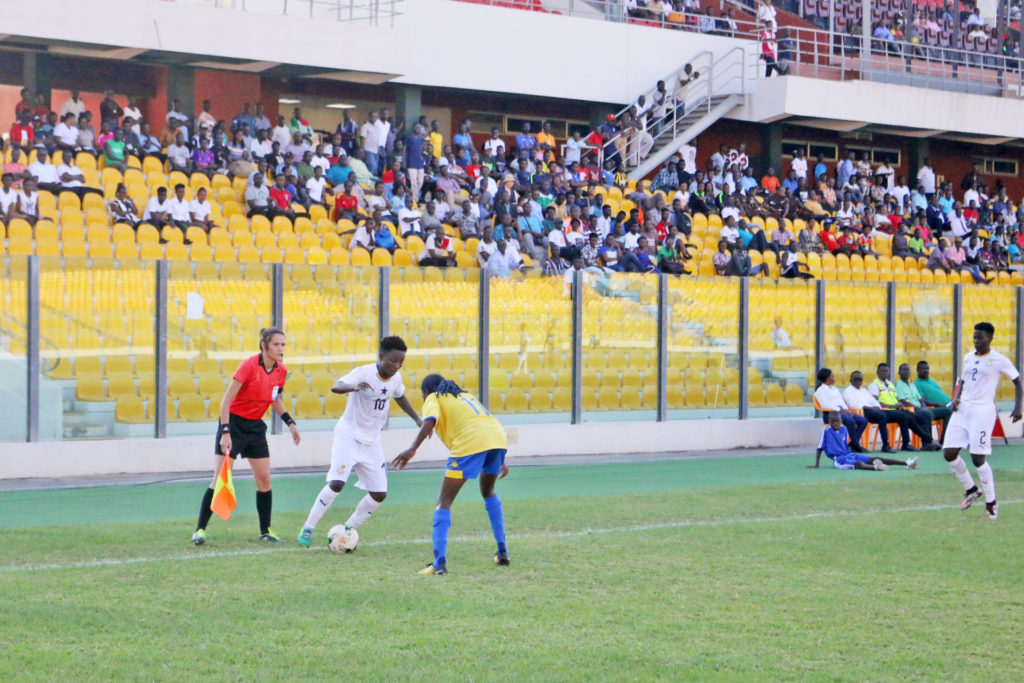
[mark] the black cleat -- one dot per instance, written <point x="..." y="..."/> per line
<point x="430" y="570"/>
<point x="969" y="498"/>
<point x="501" y="559"/>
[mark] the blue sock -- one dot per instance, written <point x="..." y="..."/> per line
<point x="442" y="524"/>
<point x="493" y="507"/>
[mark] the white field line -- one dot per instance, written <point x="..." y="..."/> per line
<point x="682" y="524"/>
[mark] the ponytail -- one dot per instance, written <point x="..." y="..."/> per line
<point x="435" y="383"/>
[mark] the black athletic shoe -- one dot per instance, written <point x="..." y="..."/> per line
<point x="269" y="537"/>
<point x="888" y="449"/>
<point x="933" y="446"/>
<point x="501" y="559"/>
<point x="430" y="570"/>
<point x="909" y="449"/>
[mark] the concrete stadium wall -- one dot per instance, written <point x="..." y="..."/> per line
<point x="190" y="454"/>
<point x="884" y="104"/>
<point x="418" y="50"/>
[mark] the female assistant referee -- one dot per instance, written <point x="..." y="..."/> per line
<point x="477" y="443"/>
<point x="258" y="383"/>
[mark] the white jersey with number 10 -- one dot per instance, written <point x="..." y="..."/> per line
<point x="981" y="376"/>
<point x="366" y="412"/>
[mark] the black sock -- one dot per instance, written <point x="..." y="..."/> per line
<point x="204" y="510"/>
<point x="264" y="502"/>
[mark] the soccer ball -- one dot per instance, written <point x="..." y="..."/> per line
<point x="341" y="539"/>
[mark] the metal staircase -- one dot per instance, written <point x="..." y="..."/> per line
<point x="722" y="85"/>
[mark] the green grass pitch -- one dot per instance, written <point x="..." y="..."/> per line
<point x="745" y="568"/>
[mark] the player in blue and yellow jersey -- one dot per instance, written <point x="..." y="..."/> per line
<point x="477" y="443"/>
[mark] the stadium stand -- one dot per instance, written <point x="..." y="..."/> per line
<point x="223" y="207"/>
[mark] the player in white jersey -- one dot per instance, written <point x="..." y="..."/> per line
<point x="974" y="415"/>
<point x="356" y="446"/>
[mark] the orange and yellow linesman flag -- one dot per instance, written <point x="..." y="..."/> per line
<point x="224" y="492"/>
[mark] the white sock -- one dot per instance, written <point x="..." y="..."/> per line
<point x="323" y="501"/>
<point x="959" y="468"/>
<point x="988" y="484"/>
<point x="367" y="506"/>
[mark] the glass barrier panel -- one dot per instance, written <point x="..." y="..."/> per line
<point x="620" y="333"/>
<point x="703" y="371"/>
<point x="96" y="330"/>
<point x="530" y="360"/>
<point x="13" y="360"/>
<point x="924" y="331"/>
<point x="214" y="315"/>
<point x="332" y="325"/>
<point x="781" y="347"/>
<point x="855" y="327"/>
<point x="436" y="312"/>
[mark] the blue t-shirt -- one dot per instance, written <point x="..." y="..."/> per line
<point x="384" y="239"/>
<point x="833" y="442"/>
<point x="524" y="141"/>
<point x="531" y="223"/>
<point x="337" y="175"/>
<point x="461" y="140"/>
<point x="413" y="151"/>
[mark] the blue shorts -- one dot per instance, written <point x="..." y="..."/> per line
<point x="470" y="466"/>
<point x="847" y="461"/>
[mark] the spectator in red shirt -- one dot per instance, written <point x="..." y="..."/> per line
<point x="346" y="204"/>
<point x="22" y="133"/>
<point x="25" y="105"/>
<point x="281" y="198"/>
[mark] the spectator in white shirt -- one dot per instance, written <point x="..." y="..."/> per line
<point x="66" y="132"/>
<point x="281" y="134"/>
<point x="409" y="220"/>
<point x="157" y="212"/>
<point x="315" y="186"/>
<point x="178" y="155"/>
<point x="926" y="179"/>
<point x="178" y="210"/>
<point x="486" y="247"/>
<point x="72" y="178"/>
<point x="830" y="399"/>
<point x="495" y="145"/>
<point x="72" y="105"/>
<point x="799" y="164"/>
<point x="199" y="211"/>
<point x="574" y="147"/>
<point x="371" y="144"/>
<point x="45" y="173"/>
<point x="729" y="232"/>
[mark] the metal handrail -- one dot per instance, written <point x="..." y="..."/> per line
<point x="346" y="11"/>
<point x="713" y="82"/>
<point x="828" y="54"/>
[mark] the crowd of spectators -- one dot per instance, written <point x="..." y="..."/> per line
<point x="844" y="212"/>
<point x="529" y="196"/>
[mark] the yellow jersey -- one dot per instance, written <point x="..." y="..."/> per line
<point x="463" y="424"/>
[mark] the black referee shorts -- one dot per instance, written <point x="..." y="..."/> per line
<point x="248" y="438"/>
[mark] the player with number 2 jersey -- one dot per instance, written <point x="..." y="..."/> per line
<point x="356" y="447"/>
<point x="974" y="415"/>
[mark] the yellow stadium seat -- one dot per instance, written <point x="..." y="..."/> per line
<point x="191" y="408"/>
<point x="339" y="257"/>
<point x="89" y="388"/>
<point x="515" y="401"/>
<point x="381" y="257"/>
<point x="179" y="383"/>
<point x="294" y="254"/>
<point x="269" y="255"/>
<point x="120" y="384"/>
<point x="307" y="405"/>
<point x="126" y="250"/>
<point x="211" y="385"/>
<point x="360" y="257"/>
<point x="130" y="410"/>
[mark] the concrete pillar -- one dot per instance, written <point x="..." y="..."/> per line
<point x="918" y="153"/>
<point x="771" y="154"/>
<point x="181" y="86"/>
<point x="36" y="74"/>
<point x="408" y="104"/>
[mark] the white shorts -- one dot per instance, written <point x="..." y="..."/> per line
<point x="971" y="427"/>
<point x="349" y="456"/>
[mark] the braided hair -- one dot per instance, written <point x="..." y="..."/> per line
<point x="435" y="383"/>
